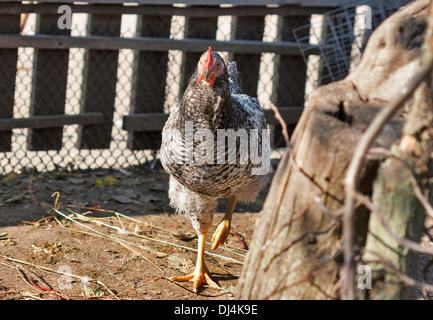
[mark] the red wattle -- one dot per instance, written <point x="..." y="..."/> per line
<point x="201" y="78"/>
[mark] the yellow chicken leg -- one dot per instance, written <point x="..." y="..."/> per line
<point x="222" y="232"/>
<point x="201" y="273"/>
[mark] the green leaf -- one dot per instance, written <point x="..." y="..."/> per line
<point x="106" y="181"/>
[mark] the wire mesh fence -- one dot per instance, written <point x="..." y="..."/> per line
<point x="81" y="147"/>
<point x="68" y="152"/>
<point x="341" y="36"/>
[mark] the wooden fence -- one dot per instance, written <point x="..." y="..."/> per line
<point x="151" y="45"/>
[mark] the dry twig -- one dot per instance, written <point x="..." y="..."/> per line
<point x="283" y="124"/>
<point x="7" y="258"/>
<point x="414" y="246"/>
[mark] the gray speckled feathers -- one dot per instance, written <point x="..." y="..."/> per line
<point x="195" y="186"/>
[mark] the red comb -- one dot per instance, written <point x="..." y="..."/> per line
<point x="209" y="58"/>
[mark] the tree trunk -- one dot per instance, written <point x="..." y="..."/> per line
<point x="394" y="195"/>
<point x="296" y="248"/>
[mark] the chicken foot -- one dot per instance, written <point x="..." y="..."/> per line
<point x="201" y="273"/>
<point x="222" y="232"/>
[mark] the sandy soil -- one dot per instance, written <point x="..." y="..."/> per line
<point x="39" y="246"/>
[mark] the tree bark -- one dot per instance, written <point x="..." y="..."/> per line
<point x="394" y="195"/>
<point x="296" y="247"/>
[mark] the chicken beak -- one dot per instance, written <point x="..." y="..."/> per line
<point x="207" y="76"/>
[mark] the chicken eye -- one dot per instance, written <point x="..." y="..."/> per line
<point x="219" y="64"/>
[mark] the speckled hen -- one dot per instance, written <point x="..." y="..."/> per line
<point x="200" y="171"/>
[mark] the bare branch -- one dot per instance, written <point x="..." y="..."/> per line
<point x="419" y="194"/>
<point x="316" y="194"/>
<point x="313" y="272"/>
<point x="404" y="241"/>
<point x="403" y="276"/>
<point x="352" y="175"/>
<point x="412" y="179"/>
<point x="282" y="123"/>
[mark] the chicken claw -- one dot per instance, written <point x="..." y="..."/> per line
<point x="198" y="278"/>
<point x="201" y="273"/>
<point x="221" y="233"/>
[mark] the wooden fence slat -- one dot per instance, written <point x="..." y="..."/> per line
<point x="10" y="24"/>
<point x="303" y="3"/>
<point x="165" y="10"/>
<point x="154" y="44"/>
<point x="291" y="72"/>
<point x="149" y="80"/>
<point x="196" y="28"/>
<point x="99" y="83"/>
<point x="291" y="85"/>
<point x="51" y="121"/>
<point x="148" y="122"/>
<point x="249" y="28"/>
<point x="49" y="81"/>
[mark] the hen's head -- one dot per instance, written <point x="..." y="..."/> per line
<point x="210" y="66"/>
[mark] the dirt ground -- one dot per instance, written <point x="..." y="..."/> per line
<point x="99" y="254"/>
<point x="114" y="236"/>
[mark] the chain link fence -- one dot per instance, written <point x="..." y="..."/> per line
<point x="69" y="151"/>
